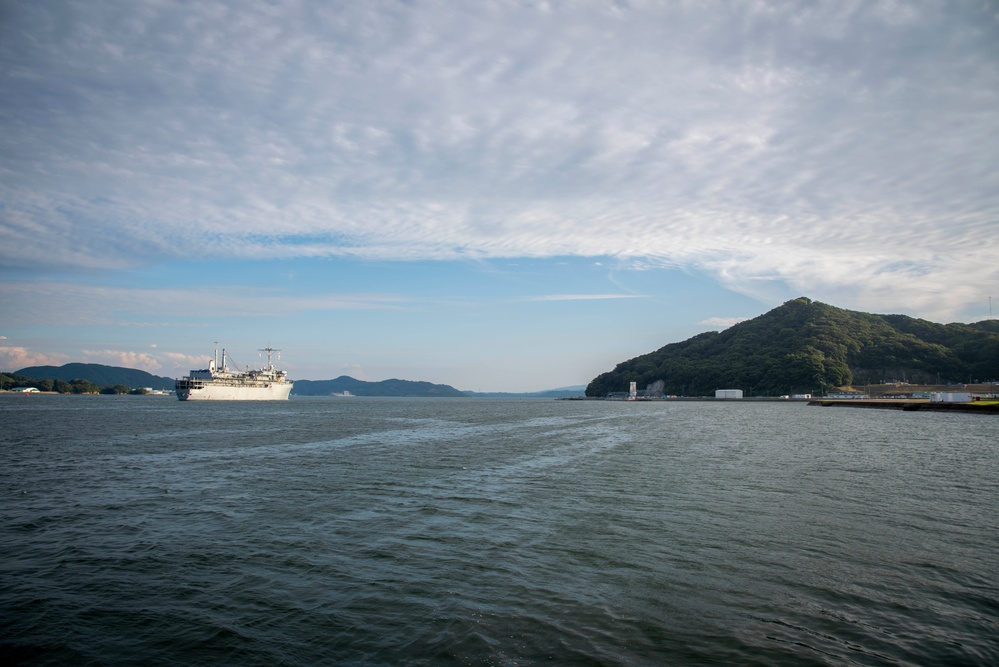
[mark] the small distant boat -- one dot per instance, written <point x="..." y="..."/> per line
<point x="217" y="383"/>
<point x="342" y="394"/>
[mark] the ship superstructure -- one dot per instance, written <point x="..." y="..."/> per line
<point x="219" y="383"/>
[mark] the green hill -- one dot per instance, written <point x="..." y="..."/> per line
<point x="99" y="374"/>
<point x="383" y="388"/>
<point x="807" y="346"/>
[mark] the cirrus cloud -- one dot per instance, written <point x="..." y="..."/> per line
<point x="837" y="149"/>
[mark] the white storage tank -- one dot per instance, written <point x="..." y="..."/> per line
<point x="728" y="393"/>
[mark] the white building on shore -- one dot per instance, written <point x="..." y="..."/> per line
<point x="728" y="393"/>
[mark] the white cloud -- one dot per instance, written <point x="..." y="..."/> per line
<point x="722" y="322"/>
<point x="124" y="358"/>
<point x="829" y="149"/>
<point x="15" y="358"/>
<point x="176" y="364"/>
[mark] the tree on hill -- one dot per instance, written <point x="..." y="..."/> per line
<point x="84" y="387"/>
<point x="807" y="346"/>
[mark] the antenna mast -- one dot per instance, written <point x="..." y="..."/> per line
<point x="268" y="350"/>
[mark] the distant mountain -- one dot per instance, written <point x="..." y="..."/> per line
<point x="383" y="388"/>
<point x="99" y="374"/>
<point x="807" y="346"/>
<point x="562" y="392"/>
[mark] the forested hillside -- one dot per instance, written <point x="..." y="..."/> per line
<point x="807" y="346"/>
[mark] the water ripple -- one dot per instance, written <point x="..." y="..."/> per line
<point x="466" y="532"/>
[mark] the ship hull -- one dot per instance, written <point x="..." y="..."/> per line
<point x="273" y="392"/>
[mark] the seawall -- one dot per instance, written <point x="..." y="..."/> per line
<point x="989" y="408"/>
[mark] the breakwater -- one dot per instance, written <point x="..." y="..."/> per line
<point x="910" y="405"/>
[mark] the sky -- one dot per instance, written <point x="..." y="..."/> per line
<point x="497" y="195"/>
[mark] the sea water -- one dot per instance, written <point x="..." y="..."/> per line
<point x="144" y="530"/>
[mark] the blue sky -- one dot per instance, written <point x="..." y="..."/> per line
<point x="498" y="195"/>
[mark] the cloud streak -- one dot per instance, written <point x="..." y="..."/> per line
<point x="844" y="151"/>
<point x="68" y="304"/>
<point x="582" y="297"/>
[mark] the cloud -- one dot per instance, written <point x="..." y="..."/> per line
<point x="582" y="297"/>
<point x="830" y="148"/>
<point x="15" y="358"/>
<point x="66" y="304"/>
<point x="722" y="322"/>
<point x="124" y="358"/>
<point x="178" y="363"/>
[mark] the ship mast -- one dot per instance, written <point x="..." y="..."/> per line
<point x="268" y="350"/>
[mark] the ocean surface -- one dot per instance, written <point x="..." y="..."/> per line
<point x="323" y="531"/>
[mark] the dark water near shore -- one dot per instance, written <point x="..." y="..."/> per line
<point x="490" y="532"/>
